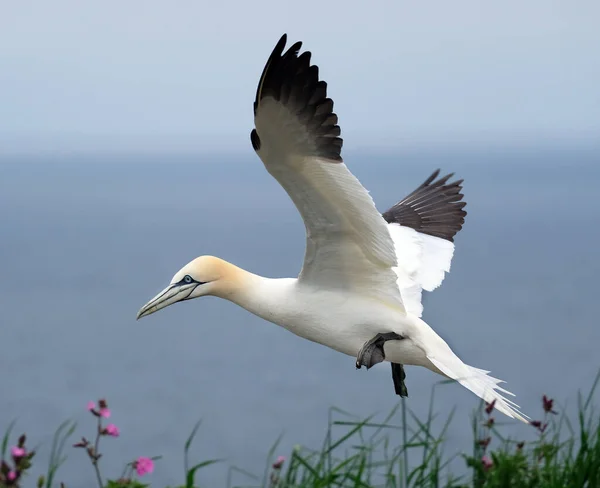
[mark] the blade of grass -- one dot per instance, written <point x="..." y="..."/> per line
<point x="58" y="445"/>
<point x="6" y="438"/>
<point x="191" y="474"/>
<point x="187" y="446"/>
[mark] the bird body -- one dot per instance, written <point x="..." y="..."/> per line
<point x="359" y="290"/>
<point x="338" y="319"/>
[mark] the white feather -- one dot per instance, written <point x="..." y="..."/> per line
<point x="422" y="260"/>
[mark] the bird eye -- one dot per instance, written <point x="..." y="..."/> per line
<point x="187" y="279"/>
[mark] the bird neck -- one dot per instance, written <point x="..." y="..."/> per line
<point x="258" y="295"/>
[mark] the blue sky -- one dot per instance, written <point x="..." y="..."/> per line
<point x="181" y="75"/>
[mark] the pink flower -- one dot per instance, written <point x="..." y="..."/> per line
<point x="17" y="452"/>
<point x="105" y="412"/>
<point x="112" y="429"/>
<point x="487" y="462"/>
<point x="143" y="465"/>
<point x="279" y="462"/>
<point x="11" y="476"/>
<point x="91" y="406"/>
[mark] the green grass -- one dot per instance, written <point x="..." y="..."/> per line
<point x="401" y="450"/>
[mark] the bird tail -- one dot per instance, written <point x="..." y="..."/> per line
<point x="477" y="380"/>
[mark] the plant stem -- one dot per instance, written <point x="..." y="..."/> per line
<point x="95" y="459"/>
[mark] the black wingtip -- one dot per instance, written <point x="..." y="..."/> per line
<point x="432" y="177"/>
<point x="276" y="53"/>
<point x="291" y="80"/>
<point x="434" y="208"/>
<point x="278" y="49"/>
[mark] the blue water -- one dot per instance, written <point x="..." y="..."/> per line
<point x="85" y="241"/>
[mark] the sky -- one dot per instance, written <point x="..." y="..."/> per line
<point x="181" y="75"/>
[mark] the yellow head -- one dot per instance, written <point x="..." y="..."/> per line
<point x="205" y="275"/>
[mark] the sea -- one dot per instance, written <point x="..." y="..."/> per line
<point x="86" y="239"/>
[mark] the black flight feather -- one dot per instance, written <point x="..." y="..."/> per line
<point x="434" y="208"/>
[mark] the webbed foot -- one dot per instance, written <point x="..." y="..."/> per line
<point x="372" y="351"/>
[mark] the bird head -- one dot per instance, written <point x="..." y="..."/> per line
<point x="205" y="275"/>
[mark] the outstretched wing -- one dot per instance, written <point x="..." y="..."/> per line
<point x="297" y="137"/>
<point x="423" y="226"/>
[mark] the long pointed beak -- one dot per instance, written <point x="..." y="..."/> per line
<point x="170" y="295"/>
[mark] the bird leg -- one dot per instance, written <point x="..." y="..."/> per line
<point x="372" y="353"/>
<point x="398" y="375"/>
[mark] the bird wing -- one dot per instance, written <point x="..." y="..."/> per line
<point x="423" y="226"/>
<point x="348" y="245"/>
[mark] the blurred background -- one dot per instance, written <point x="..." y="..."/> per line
<point x="125" y="153"/>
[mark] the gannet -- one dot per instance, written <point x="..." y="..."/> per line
<point x="359" y="290"/>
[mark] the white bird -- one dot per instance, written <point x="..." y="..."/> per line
<point x="359" y="290"/>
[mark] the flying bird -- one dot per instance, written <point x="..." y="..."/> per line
<point x="359" y="290"/>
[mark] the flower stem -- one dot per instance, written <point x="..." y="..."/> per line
<point x="95" y="458"/>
